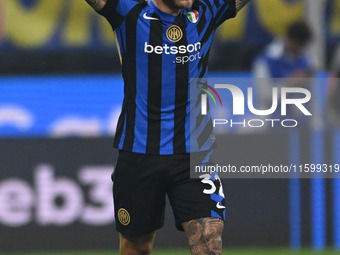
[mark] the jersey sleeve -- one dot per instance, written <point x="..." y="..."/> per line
<point x="115" y="11"/>
<point x="223" y="10"/>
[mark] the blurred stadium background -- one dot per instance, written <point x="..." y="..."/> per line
<point x="60" y="96"/>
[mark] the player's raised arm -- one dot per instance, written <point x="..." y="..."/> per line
<point x="97" y="5"/>
<point x="240" y="4"/>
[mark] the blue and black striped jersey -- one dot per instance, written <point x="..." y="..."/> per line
<point x="160" y="54"/>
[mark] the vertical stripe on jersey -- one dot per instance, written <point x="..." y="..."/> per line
<point x="143" y="32"/>
<point x="181" y="93"/>
<point x="168" y="103"/>
<point x="192" y="35"/>
<point x="121" y="39"/>
<point x="206" y="132"/>
<point x="130" y="77"/>
<point x="122" y="118"/>
<point x="154" y="88"/>
<point x="122" y="129"/>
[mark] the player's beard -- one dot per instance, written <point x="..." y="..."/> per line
<point x="178" y="4"/>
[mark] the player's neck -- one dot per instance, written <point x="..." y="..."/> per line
<point x="165" y="8"/>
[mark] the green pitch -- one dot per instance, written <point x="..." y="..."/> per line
<point x="186" y="252"/>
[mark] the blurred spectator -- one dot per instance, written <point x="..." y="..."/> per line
<point x="287" y="57"/>
<point x="284" y="58"/>
<point x="333" y="103"/>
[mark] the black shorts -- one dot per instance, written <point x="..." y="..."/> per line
<point x="141" y="183"/>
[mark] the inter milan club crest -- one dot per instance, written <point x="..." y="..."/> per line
<point x="192" y="16"/>
<point x="174" y="33"/>
<point x="123" y="216"/>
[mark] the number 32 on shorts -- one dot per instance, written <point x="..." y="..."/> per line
<point x="210" y="180"/>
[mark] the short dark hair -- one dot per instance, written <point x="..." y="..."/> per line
<point x="300" y="32"/>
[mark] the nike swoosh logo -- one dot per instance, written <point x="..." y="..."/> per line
<point x="147" y="17"/>
<point x="220" y="206"/>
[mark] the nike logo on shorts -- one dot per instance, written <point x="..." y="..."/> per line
<point x="219" y="206"/>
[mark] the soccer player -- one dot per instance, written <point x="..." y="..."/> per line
<point x="163" y="44"/>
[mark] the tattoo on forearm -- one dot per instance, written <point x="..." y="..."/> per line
<point x="241" y="3"/>
<point x="204" y="235"/>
